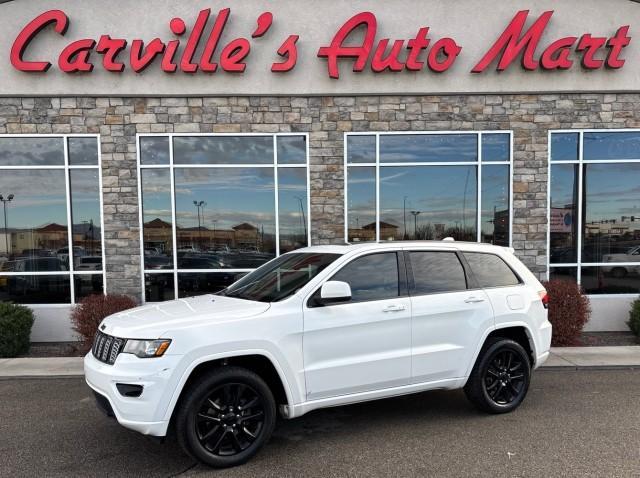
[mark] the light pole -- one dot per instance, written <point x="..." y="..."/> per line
<point x="415" y="223"/>
<point x="4" y="200"/>
<point x="198" y="205"/>
<point x="404" y="218"/>
<point x="304" y="220"/>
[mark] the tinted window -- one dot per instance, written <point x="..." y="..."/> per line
<point x="490" y="270"/>
<point x="436" y="272"/>
<point x="372" y="277"/>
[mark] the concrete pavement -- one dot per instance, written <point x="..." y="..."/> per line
<point x="561" y="357"/>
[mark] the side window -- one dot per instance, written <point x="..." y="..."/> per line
<point x="436" y="272"/>
<point x="372" y="277"/>
<point x="490" y="270"/>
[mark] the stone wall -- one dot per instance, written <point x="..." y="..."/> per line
<point x="118" y="120"/>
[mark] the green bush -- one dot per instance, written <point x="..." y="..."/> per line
<point x="634" y="318"/>
<point x="15" y="329"/>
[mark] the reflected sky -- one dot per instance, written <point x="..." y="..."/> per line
<point x="495" y="198"/>
<point x="612" y="191"/>
<point x="603" y="145"/>
<point x="292" y="205"/>
<point x="154" y="150"/>
<point x="292" y="149"/>
<point x="361" y="196"/>
<point x="83" y="151"/>
<point x="495" y="147"/>
<point x="361" y="149"/>
<point x="564" y="146"/>
<point x="156" y="195"/>
<point x="31" y="151"/>
<point x="223" y="150"/>
<point x="563" y="185"/>
<point x="428" y="148"/>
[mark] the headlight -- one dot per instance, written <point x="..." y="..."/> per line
<point x="147" y="348"/>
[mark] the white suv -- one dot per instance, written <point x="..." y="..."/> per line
<point x="320" y="327"/>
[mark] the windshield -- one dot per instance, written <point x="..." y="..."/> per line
<point x="280" y="278"/>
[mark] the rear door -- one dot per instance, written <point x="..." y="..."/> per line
<point x="450" y="314"/>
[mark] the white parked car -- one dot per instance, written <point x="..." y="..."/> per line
<point x="320" y="327"/>
<point x="622" y="270"/>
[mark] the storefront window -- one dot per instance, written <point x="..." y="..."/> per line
<point x="217" y="206"/>
<point x="594" y="233"/>
<point x="51" y="205"/>
<point x="428" y="186"/>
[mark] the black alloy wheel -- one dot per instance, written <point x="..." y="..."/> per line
<point x="225" y="417"/>
<point x="230" y="419"/>
<point x="500" y="378"/>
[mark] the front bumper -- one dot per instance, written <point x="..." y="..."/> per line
<point x="147" y="413"/>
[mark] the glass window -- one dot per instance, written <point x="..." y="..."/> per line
<point x="371" y="277"/>
<point x="85" y="212"/>
<point x="490" y="270"/>
<point x="405" y="148"/>
<point x="36" y="289"/>
<point x="361" y="208"/>
<point x="87" y="284"/>
<point x="223" y="150"/>
<point x="292" y="149"/>
<point x="614" y="279"/>
<point x="361" y="149"/>
<point x="564" y="273"/>
<point x="198" y="283"/>
<point x="42" y="151"/>
<point x="563" y="229"/>
<point x="436" y="272"/>
<point x="496" y="147"/>
<point x="281" y="277"/>
<point x="156" y="219"/>
<point x="154" y="150"/>
<point x="611" y="146"/>
<point x="429" y="203"/>
<point x="565" y="146"/>
<point x="83" y="151"/>
<point x="495" y="204"/>
<point x="159" y="287"/>
<point x="611" y="213"/>
<point x="292" y="208"/>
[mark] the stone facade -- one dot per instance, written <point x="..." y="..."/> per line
<point x="118" y="120"/>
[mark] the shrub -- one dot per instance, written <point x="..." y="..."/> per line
<point x="15" y="329"/>
<point x="569" y="311"/>
<point x="91" y="310"/>
<point x="634" y="318"/>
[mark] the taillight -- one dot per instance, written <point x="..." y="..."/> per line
<point x="544" y="297"/>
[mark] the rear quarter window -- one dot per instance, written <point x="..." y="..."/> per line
<point x="491" y="270"/>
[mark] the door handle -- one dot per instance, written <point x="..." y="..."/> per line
<point x="394" y="308"/>
<point x="474" y="300"/>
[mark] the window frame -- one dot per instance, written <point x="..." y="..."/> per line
<point x="378" y="164"/>
<point x="171" y="166"/>
<point x="581" y="162"/>
<point x="67" y="168"/>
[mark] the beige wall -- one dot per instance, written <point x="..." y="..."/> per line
<point x="475" y="24"/>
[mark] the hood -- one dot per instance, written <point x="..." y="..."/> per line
<point x="152" y="321"/>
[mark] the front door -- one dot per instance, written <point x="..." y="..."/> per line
<point x="365" y="343"/>
<point x="450" y="315"/>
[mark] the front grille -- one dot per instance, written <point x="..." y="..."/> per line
<point x="106" y="347"/>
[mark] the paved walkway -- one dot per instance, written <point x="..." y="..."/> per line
<point x="560" y="358"/>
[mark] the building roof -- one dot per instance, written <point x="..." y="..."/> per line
<point x="52" y="227"/>
<point x="245" y="226"/>
<point x="158" y="223"/>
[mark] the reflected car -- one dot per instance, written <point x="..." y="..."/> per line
<point x="620" y="271"/>
<point x="89" y="263"/>
<point x="40" y="264"/>
<point x="200" y="261"/>
<point x="157" y="262"/>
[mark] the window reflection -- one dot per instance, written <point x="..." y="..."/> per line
<point x="361" y="149"/>
<point x="35" y="235"/>
<point x="31" y="151"/>
<point x="154" y="150"/>
<point x="428" y="148"/>
<point x="87" y="284"/>
<point x="564" y="146"/>
<point x="371" y="277"/>
<point x="496" y="147"/>
<point x="223" y="150"/>
<point x="36" y="289"/>
<point x="225" y="216"/>
<point x="83" y="151"/>
<point x="495" y="204"/>
<point x="428" y="203"/>
<point x="292" y="149"/>
<point x="564" y="213"/>
<point x="605" y="145"/>
<point x="199" y="283"/>
<point x="361" y="209"/>
<point x="85" y="213"/>
<point x="157" y="221"/>
<point x="292" y="206"/>
<point x="159" y="287"/>
<point x="611" y="213"/>
<point x="564" y="273"/>
<point x="611" y="280"/>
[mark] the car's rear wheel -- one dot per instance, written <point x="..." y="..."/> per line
<point x="226" y="417"/>
<point x="500" y="377"/>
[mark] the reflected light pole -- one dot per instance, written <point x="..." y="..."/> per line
<point x="415" y="223"/>
<point x="404" y="217"/>
<point x="199" y="205"/>
<point x="4" y="200"/>
<point x="304" y="220"/>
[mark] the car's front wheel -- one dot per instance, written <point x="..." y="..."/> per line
<point x="226" y="417"/>
<point x="500" y="377"/>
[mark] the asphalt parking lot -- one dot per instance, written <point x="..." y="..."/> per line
<point x="573" y="423"/>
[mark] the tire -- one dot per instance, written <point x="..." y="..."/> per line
<point x="226" y="417"/>
<point x="500" y="377"/>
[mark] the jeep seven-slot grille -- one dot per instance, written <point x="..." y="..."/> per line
<point x="106" y="347"/>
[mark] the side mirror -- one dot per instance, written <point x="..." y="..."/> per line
<point x="334" y="291"/>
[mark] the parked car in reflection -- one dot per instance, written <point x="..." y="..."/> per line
<point x="200" y="261"/>
<point x="619" y="271"/>
<point x="41" y="286"/>
<point x="63" y="253"/>
<point x="40" y="264"/>
<point x="157" y="262"/>
<point x="89" y="263"/>
<point x="198" y="283"/>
